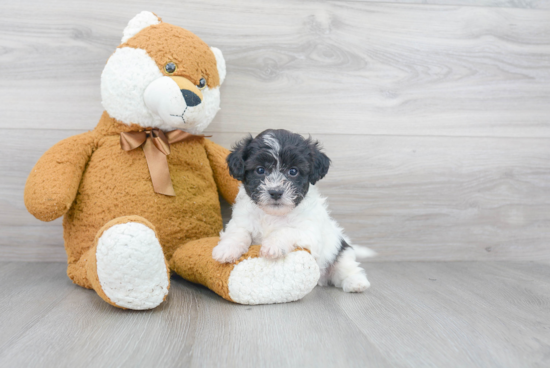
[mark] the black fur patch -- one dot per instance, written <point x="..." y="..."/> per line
<point x="343" y="246"/>
<point x="235" y="160"/>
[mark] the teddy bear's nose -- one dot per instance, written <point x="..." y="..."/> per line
<point x="191" y="99"/>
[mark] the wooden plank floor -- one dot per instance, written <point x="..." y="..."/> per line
<point x="416" y="314"/>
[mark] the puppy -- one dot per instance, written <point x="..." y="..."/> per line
<point x="279" y="207"/>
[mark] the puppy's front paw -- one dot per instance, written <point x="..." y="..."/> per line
<point x="273" y="249"/>
<point x="355" y="284"/>
<point x="227" y="251"/>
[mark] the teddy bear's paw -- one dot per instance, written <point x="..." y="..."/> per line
<point x="355" y="283"/>
<point x="263" y="281"/>
<point x="131" y="266"/>
<point x="228" y="251"/>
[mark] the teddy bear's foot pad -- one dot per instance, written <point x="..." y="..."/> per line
<point x="264" y="281"/>
<point x="131" y="267"/>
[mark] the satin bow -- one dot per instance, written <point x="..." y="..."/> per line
<point x="156" y="146"/>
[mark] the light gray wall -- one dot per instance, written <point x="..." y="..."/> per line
<point x="437" y="117"/>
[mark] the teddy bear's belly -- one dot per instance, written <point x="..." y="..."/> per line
<point x="117" y="183"/>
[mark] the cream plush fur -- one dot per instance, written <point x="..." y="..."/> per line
<point x="135" y="248"/>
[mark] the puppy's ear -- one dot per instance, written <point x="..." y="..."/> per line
<point x="235" y="160"/>
<point x="319" y="162"/>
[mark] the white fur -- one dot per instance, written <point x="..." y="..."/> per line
<point x="133" y="90"/>
<point x="274" y="145"/>
<point x="220" y="63"/>
<point x="363" y="252"/>
<point x="131" y="267"/>
<point x="265" y="281"/>
<point x="137" y="23"/>
<point x="166" y="104"/>
<point x="197" y="118"/>
<point x="164" y="100"/>
<point x="124" y="80"/>
<point x="308" y="225"/>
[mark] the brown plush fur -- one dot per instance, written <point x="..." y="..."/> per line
<point x="91" y="180"/>
<point x="194" y="262"/>
<point x="168" y="43"/>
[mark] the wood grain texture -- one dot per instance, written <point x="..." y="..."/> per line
<point x="529" y="4"/>
<point x="317" y="67"/>
<point x="29" y="291"/>
<point x="416" y="314"/>
<point x="38" y="242"/>
<point x="409" y="198"/>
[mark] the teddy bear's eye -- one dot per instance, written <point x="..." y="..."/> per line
<point x="170" y="68"/>
<point x="202" y="83"/>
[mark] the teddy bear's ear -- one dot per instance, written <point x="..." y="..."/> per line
<point x="139" y="22"/>
<point x="220" y="63"/>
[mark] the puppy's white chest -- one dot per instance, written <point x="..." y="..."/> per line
<point x="268" y="224"/>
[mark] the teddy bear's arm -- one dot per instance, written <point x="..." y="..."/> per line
<point x="227" y="185"/>
<point x="53" y="182"/>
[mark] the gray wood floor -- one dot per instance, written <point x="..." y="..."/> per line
<point x="417" y="314"/>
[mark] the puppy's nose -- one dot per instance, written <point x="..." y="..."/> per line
<point x="191" y="99"/>
<point x="275" y="194"/>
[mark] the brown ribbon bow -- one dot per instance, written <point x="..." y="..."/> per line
<point x="156" y="148"/>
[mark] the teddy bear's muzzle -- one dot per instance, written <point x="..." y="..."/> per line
<point x="171" y="98"/>
<point x="191" y="93"/>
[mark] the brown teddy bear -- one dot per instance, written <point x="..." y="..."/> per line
<point x="139" y="193"/>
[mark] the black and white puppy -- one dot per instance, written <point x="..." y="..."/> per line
<point x="279" y="207"/>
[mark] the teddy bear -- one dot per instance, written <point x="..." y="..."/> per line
<point x="139" y="194"/>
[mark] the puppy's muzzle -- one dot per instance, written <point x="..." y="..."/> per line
<point x="275" y="193"/>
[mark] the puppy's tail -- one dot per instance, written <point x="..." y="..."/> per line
<point x="362" y="252"/>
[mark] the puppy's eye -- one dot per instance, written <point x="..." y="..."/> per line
<point x="260" y="170"/>
<point x="202" y="83"/>
<point x="170" y="68"/>
<point x="293" y="171"/>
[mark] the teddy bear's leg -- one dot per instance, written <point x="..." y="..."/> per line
<point x="251" y="279"/>
<point x="126" y="266"/>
